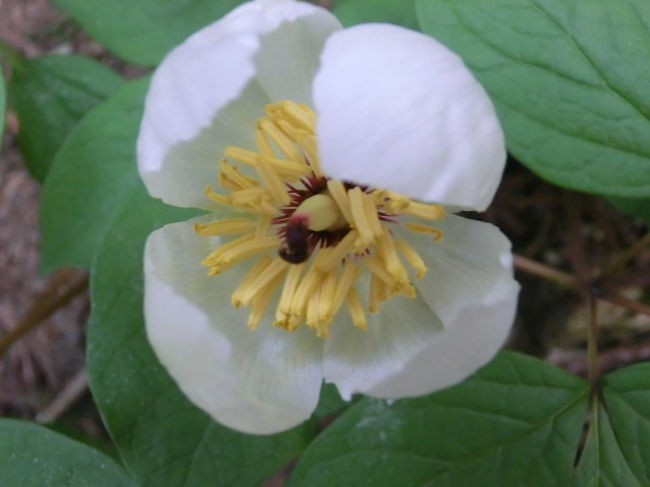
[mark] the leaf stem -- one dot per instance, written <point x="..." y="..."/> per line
<point x="562" y="278"/>
<point x="46" y="303"/>
<point x="593" y="370"/>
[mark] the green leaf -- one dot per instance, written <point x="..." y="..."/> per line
<point x="352" y="12"/>
<point x="569" y="81"/>
<point x="516" y="422"/>
<point x="603" y="464"/>
<point x="162" y="438"/>
<point x="633" y="207"/>
<point x="143" y="31"/>
<point x="617" y="452"/>
<point x="33" y="456"/>
<point x="49" y="95"/>
<point x="329" y="402"/>
<point x="92" y="174"/>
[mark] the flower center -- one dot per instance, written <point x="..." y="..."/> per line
<point x="312" y="236"/>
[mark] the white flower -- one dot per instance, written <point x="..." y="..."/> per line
<point x="395" y="298"/>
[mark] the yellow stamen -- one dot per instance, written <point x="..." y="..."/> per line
<point x="391" y="202"/>
<point x="243" y="251"/>
<point x="412" y="257"/>
<point x="261" y="302"/>
<point x="263" y="226"/>
<point x="263" y="145"/>
<point x="280" y="196"/>
<point x="287" y="147"/>
<point x="428" y="212"/>
<point x="230" y="178"/>
<point x="262" y="263"/>
<point x="419" y="228"/>
<point x="274" y="184"/>
<point x="306" y="286"/>
<point x="311" y="313"/>
<point x="217" y="198"/>
<point x="227" y="226"/>
<point x="376" y="293"/>
<point x="339" y="252"/>
<point x="362" y="222"/>
<point x="376" y="266"/>
<point x="356" y="309"/>
<point x="275" y="269"/>
<point x="326" y="298"/>
<point x="298" y="116"/>
<point x="339" y="194"/>
<point x="287" y="169"/>
<point x="349" y="275"/>
<point x="388" y="254"/>
<point x="308" y="143"/>
<point x="215" y="255"/>
<point x="289" y="289"/>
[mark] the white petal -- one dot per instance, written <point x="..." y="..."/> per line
<point x="357" y="360"/>
<point x="208" y="91"/>
<point x="257" y="381"/>
<point x="398" y="110"/>
<point x="468" y="343"/>
<point x="463" y="267"/>
<point x="470" y="287"/>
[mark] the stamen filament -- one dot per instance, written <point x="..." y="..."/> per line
<point x="361" y="221"/>
<point x="392" y="202"/>
<point x="426" y="229"/>
<point x="298" y="115"/>
<point x="216" y="254"/>
<point x="288" y="291"/>
<point x="257" y="269"/>
<point x="286" y="169"/>
<point x="281" y="140"/>
<point x="375" y="265"/>
<point x="230" y="178"/>
<point x="308" y="143"/>
<point x="261" y="302"/>
<point x="263" y="145"/>
<point x="356" y="309"/>
<point x="340" y="197"/>
<point x="274" y="184"/>
<point x="227" y="226"/>
<point x="326" y="298"/>
<point x="388" y="254"/>
<point x="412" y="257"/>
<point x="428" y="212"/>
<point x="376" y="293"/>
<point x="349" y="276"/>
<point x="338" y="253"/>
<point x="275" y="269"/>
<point x="263" y="226"/>
<point x="246" y="249"/>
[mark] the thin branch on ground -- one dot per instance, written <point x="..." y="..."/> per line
<point x="68" y="396"/>
<point x="631" y="304"/>
<point x="562" y="278"/>
<point x="622" y="260"/>
<point x="63" y="287"/>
